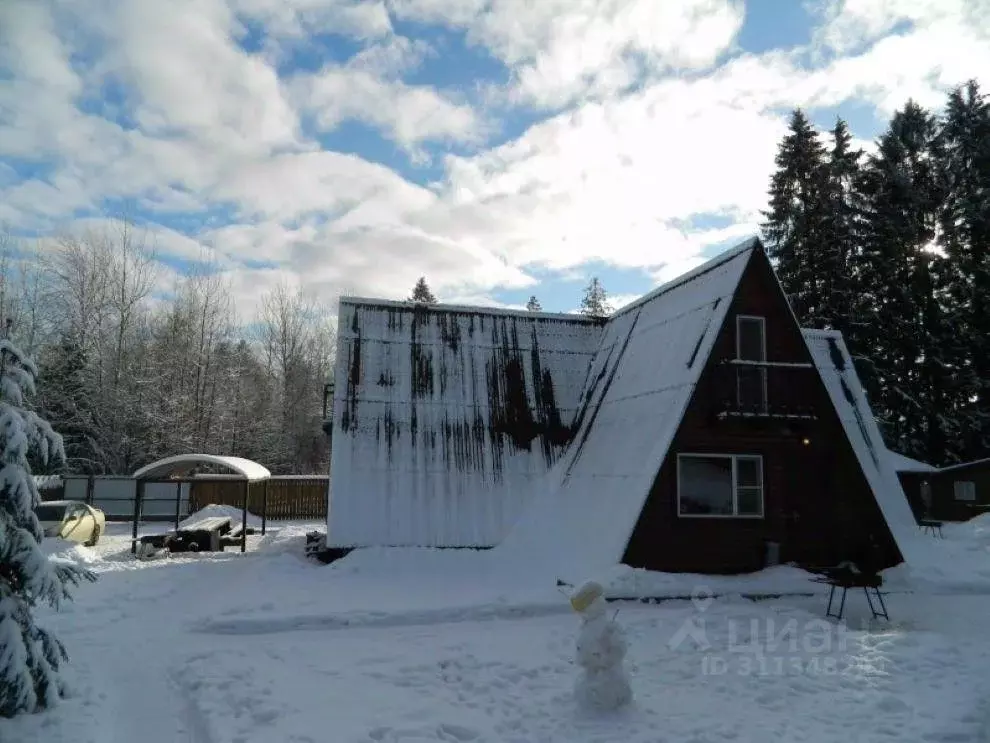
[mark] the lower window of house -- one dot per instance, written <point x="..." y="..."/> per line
<point x="719" y="485"/>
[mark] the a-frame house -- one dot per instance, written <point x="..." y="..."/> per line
<point x="698" y="429"/>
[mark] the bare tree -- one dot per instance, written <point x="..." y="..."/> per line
<point x="131" y="276"/>
<point x="297" y="344"/>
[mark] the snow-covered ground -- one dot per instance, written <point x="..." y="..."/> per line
<point x="420" y="645"/>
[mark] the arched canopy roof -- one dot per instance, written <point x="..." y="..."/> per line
<point x="241" y="468"/>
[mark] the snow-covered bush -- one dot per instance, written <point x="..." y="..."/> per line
<point x="30" y="656"/>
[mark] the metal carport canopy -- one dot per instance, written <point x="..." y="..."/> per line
<point x="250" y="471"/>
<point x="241" y="468"/>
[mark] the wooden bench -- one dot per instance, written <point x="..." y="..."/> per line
<point x="934" y="527"/>
<point x="845" y="578"/>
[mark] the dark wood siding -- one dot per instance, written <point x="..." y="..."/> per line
<point x="288" y="497"/>
<point x="817" y="502"/>
<point x="945" y="507"/>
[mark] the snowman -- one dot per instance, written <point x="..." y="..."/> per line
<point x="601" y="648"/>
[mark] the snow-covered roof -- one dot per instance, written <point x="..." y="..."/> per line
<point x="964" y="465"/>
<point x="444" y="416"/>
<point x="242" y="468"/>
<point x="828" y="349"/>
<point x="900" y="463"/>
<point x="643" y="375"/>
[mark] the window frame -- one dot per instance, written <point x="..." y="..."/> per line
<point x="970" y="486"/>
<point x="740" y="320"/>
<point x="735" y="486"/>
<point x="763" y="336"/>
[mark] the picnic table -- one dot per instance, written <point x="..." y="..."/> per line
<point x="929" y="525"/>
<point x="206" y="534"/>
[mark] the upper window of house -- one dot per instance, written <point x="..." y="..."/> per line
<point x="751" y="338"/>
<point x="719" y="485"/>
<point x="964" y="489"/>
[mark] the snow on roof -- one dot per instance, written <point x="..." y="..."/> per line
<point x="828" y="349"/>
<point x="444" y="416"/>
<point x="642" y="379"/>
<point x="467" y="309"/>
<point x="964" y="465"/>
<point x="900" y="463"/>
<point x="243" y="468"/>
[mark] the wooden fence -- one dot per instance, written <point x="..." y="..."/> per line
<point x="291" y="497"/>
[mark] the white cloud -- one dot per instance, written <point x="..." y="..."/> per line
<point x="560" y="50"/>
<point x="616" y="177"/>
<point x="299" y="18"/>
<point x="336" y="185"/>
<point x="369" y="88"/>
<point x="411" y="115"/>
<point x="189" y="77"/>
<point x="611" y="181"/>
<point x="851" y="23"/>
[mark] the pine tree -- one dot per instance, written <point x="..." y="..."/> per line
<point x="66" y="402"/>
<point x="422" y="293"/>
<point x="836" y="238"/>
<point x="533" y="305"/>
<point x="965" y="238"/>
<point x="904" y="326"/>
<point x="792" y="230"/>
<point x="30" y="656"/>
<point x="595" y="301"/>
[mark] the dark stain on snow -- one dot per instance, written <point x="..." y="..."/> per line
<point x="420" y="358"/>
<point x="586" y="429"/>
<point x="348" y="418"/>
<point x="701" y="338"/>
<point x="450" y="331"/>
<point x="838" y="360"/>
<point x="513" y="388"/>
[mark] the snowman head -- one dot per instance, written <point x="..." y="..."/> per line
<point x="589" y="600"/>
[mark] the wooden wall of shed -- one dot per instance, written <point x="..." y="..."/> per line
<point x="818" y="504"/>
<point x="911" y="485"/>
<point x="288" y="498"/>
<point x="945" y="507"/>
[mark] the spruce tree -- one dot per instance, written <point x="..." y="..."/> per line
<point x="965" y="239"/>
<point x="836" y="238"/>
<point x="904" y="329"/>
<point x="422" y="293"/>
<point x="30" y="656"/>
<point x="66" y="401"/>
<point x="595" y="301"/>
<point x="792" y="227"/>
<point x="533" y="305"/>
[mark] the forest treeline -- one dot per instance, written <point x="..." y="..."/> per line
<point x="892" y="247"/>
<point x="129" y="374"/>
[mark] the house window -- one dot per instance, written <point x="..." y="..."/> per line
<point x="964" y="490"/>
<point x="751" y="345"/>
<point x="725" y="485"/>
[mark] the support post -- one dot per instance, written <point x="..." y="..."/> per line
<point x="264" y="507"/>
<point x="178" y="502"/>
<point x="138" y="497"/>
<point x="247" y="485"/>
<point x="90" y="487"/>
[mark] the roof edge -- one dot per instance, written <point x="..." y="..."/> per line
<point x="711" y="264"/>
<point x="963" y="465"/>
<point x="469" y="309"/>
<point x="725" y="256"/>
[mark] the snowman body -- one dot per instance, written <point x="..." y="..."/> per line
<point x="603" y="683"/>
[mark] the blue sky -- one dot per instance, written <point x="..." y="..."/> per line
<point x="499" y="148"/>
